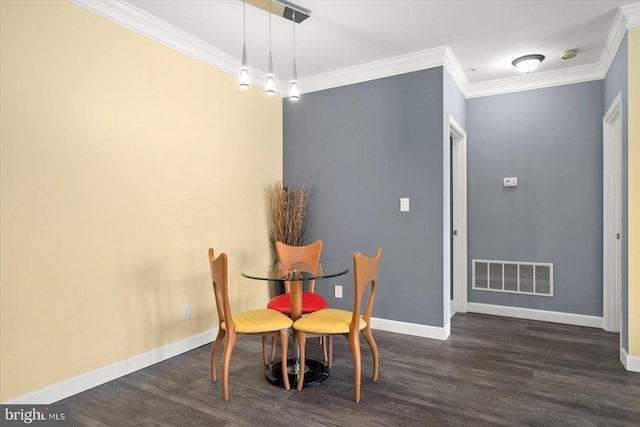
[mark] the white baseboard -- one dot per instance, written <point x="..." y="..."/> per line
<point x="533" y="314"/>
<point x="631" y="363"/>
<point x="64" y="389"/>
<point x="433" y="332"/>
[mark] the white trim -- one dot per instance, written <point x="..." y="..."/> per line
<point x="533" y="314"/>
<point x="632" y="13"/>
<point x="460" y="214"/>
<point x="456" y="72"/>
<point x="376" y="70"/>
<point x="86" y="381"/>
<point x="541" y="80"/>
<point x="135" y="19"/>
<point x="425" y="331"/>
<point x="129" y="16"/>
<point x="630" y="363"/>
<point x="143" y="23"/>
<point x="614" y="38"/>
<point x="612" y="215"/>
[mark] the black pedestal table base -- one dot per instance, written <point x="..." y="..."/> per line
<point x="315" y="372"/>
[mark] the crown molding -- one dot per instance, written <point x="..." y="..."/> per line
<point x="149" y="26"/>
<point x="520" y="83"/>
<point x="402" y="64"/>
<point x="614" y="38"/>
<point x="456" y="72"/>
<point x="632" y="13"/>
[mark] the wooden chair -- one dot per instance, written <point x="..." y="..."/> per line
<point x="348" y="323"/>
<point x="263" y="321"/>
<point x="288" y="256"/>
<point x="308" y="257"/>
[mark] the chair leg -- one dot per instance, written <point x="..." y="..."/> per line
<point x="226" y="359"/>
<point x="327" y="348"/>
<point x="301" y="344"/>
<point x="214" y="352"/>
<point x="354" y="343"/>
<point x="284" y="343"/>
<point x="272" y="355"/>
<point x="265" y="361"/>
<point x="273" y="349"/>
<point x="374" y="351"/>
<point x="324" y="341"/>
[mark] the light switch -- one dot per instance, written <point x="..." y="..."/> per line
<point x="404" y="204"/>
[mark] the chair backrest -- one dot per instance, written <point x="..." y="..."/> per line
<point x="365" y="273"/>
<point x="220" y="289"/>
<point x="308" y="255"/>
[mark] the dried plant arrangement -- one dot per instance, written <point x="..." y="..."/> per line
<point x="288" y="212"/>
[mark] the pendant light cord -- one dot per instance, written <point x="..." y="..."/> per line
<point x="269" y="26"/>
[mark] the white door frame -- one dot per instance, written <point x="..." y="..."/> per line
<point x="612" y="216"/>
<point x="459" y="186"/>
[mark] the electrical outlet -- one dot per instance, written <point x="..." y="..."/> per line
<point x="186" y="311"/>
<point x="338" y="291"/>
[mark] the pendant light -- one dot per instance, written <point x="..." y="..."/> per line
<point x="270" y="86"/>
<point x="294" y="92"/>
<point x="244" y="82"/>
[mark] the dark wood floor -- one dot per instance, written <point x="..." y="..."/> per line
<point x="491" y="371"/>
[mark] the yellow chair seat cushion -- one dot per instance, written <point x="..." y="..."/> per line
<point x="259" y="320"/>
<point x="328" y="321"/>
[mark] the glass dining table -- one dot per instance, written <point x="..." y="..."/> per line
<point x="296" y="275"/>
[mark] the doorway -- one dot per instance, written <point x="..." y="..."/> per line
<point x="612" y="216"/>
<point x="458" y="286"/>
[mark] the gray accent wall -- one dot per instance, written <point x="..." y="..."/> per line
<point x="361" y="148"/>
<point x="551" y="139"/>
<point x="616" y="81"/>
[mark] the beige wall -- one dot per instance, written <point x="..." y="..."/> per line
<point x="122" y="161"/>
<point x="634" y="191"/>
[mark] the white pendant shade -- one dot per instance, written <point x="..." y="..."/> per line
<point x="244" y="82"/>
<point x="294" y="92"/>
<point x="270" y="85"/>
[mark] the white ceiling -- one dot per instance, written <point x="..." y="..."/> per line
<point x="349" y="36"/>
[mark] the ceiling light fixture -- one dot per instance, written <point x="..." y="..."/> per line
<point x="528" y="63"/>
<point x="270" y="85"/>
<point x="283" y="9"/>
<point x="244" y="82"/>
<point x="294" y="92"/>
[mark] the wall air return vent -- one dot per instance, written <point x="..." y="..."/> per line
<point x="511" y="276"/>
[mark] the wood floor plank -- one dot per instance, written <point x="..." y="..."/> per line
<point x="491" y="371"/>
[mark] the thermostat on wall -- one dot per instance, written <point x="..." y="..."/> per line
<point x="511" y="181"/>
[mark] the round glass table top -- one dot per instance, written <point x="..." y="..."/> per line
<point x="294" y="272"/>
